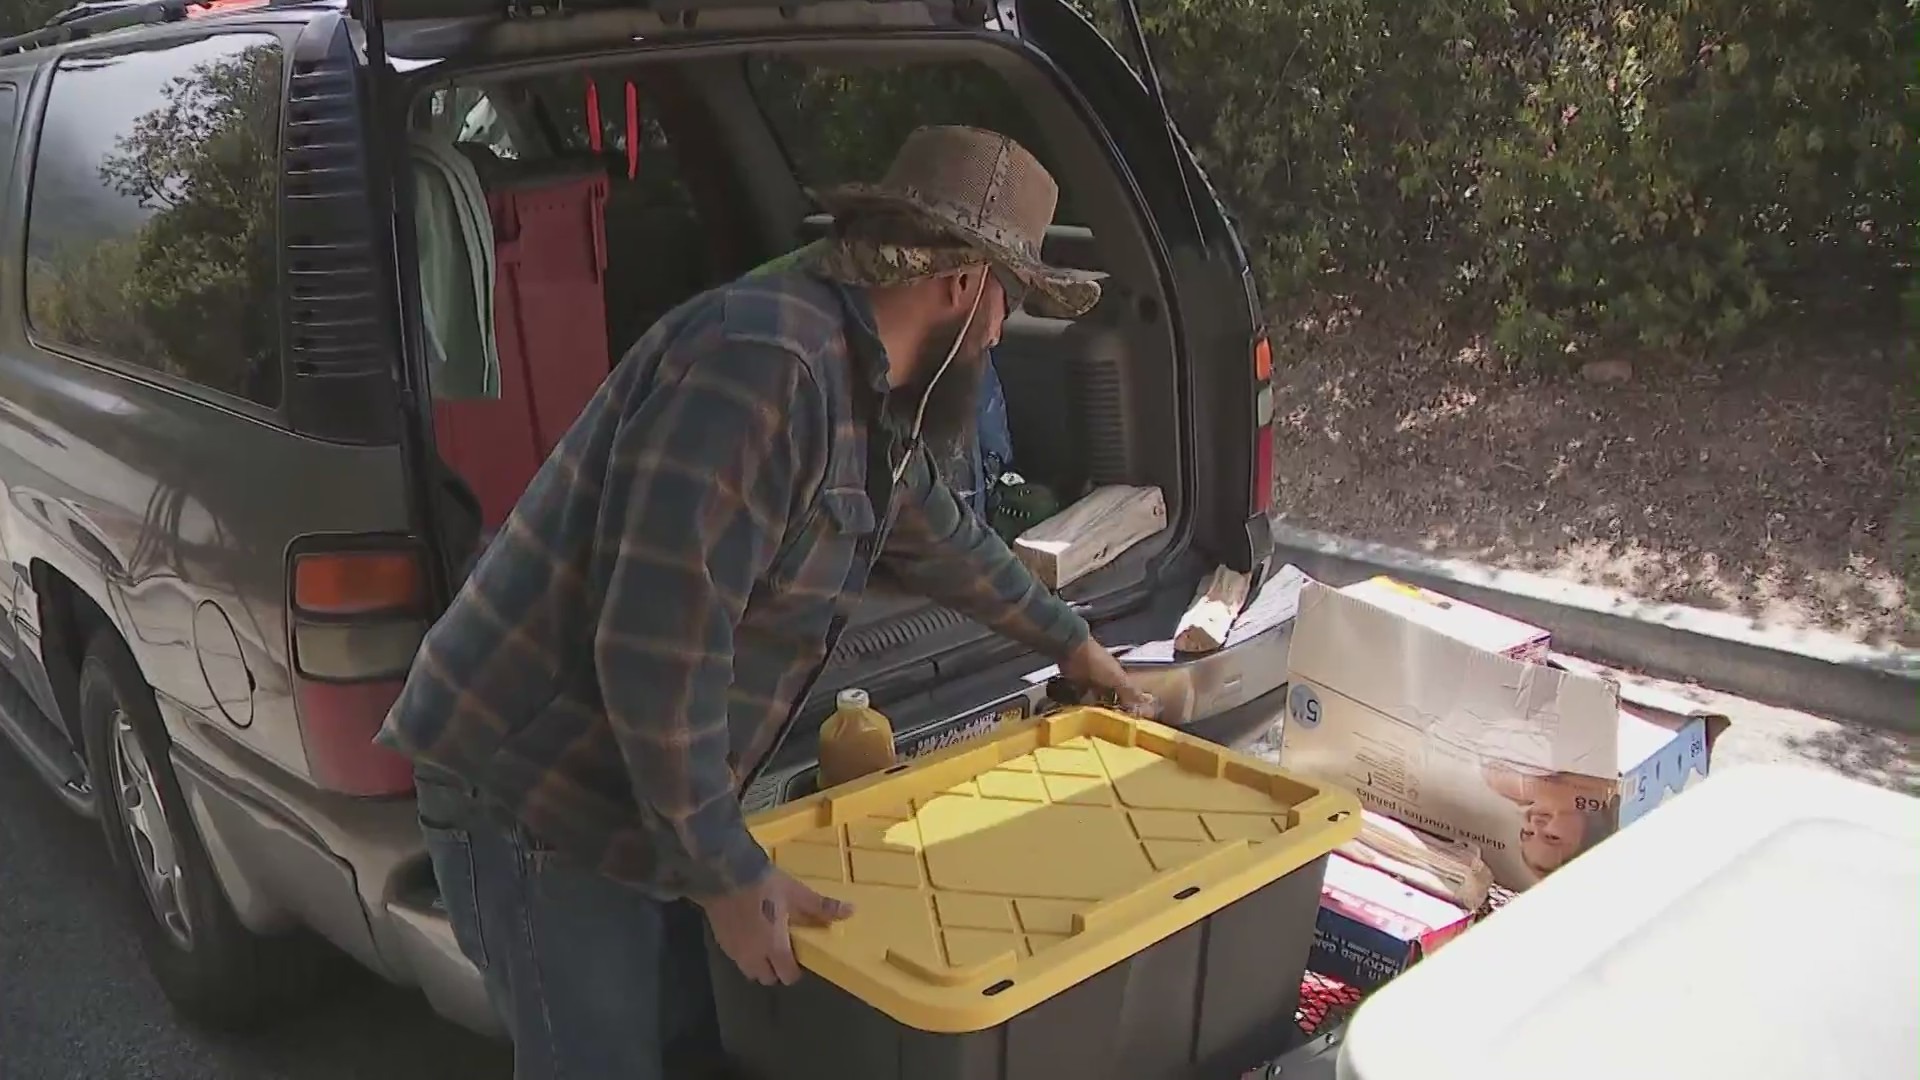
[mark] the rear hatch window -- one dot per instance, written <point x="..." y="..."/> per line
<point x="842" y="124"/>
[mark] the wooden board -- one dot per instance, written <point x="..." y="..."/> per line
<point x="1091" y="533"/>
<point x="1204" y="626"/>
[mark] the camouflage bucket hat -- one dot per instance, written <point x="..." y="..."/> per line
<point x="981" y="189"/>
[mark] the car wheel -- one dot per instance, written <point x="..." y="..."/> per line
<point x="211" y="968"/>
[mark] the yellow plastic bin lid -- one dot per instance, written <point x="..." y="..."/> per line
<point x="992" y="876"/>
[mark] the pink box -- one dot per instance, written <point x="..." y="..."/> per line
<point x="1372" y="926"/>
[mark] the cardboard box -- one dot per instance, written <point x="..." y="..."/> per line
<point x="1486" y="630"/>
<point x="1372" y="926"/>
<point x="1695" y="728"/>
<point x="1532" y="762"/>
<point x="1653" y="703"/>
<point x="1675" y="761"/>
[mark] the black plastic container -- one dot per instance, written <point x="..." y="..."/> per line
<point x="1212" y="1001"/>
<point x="1085" y="896"/>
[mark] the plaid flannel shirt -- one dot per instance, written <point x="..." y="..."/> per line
<point x="649" y="617"/>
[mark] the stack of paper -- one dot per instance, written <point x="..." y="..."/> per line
<point x="1450" y="869"/>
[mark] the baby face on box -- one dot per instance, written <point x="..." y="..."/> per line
<point x="1561" y="814"/>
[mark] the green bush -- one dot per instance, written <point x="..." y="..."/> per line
<point x="1659" y="172"/>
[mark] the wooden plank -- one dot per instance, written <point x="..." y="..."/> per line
<point x="1091" y="533"/>
<point x="1207" y="621"/>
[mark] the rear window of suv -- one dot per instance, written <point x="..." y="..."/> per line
<point x="842" y="124"/>
<point x="152" y="229"/>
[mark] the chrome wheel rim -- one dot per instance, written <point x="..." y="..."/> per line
<point x="156" y="855"/>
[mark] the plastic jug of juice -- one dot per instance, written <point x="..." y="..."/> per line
<point x="855" y="741"/>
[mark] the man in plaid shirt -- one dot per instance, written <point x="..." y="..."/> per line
<point x="636" y="638"/>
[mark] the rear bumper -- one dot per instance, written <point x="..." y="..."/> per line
<point x="420" y="932"/>
<point x="354" y="871"/>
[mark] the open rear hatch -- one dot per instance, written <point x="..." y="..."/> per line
<point x="1111" y="398"/>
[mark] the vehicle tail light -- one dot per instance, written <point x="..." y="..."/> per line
<point x="1262" y="426"/>
<point x="357" y="614"/>
<point x="357" y="582"/>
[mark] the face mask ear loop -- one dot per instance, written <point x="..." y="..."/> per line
<point x="920" y="415"/>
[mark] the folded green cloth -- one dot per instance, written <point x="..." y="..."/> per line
<point x="1014" y="505"/>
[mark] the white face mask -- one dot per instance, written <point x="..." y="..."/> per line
<point x="920" y="414"/>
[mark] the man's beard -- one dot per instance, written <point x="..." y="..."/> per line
<point x="951" y="398"/>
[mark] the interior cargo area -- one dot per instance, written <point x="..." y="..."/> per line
<point x="580" y="203"/>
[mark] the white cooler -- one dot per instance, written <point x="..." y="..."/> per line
<point x="1764" y="926"/>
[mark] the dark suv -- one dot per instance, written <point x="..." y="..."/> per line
<point x="295" y="296"/>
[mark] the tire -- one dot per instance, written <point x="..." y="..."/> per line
<point x="213" y="970"/>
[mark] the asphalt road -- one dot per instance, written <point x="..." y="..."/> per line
<point x="76" y="1002"/>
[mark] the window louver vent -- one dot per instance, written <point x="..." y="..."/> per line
<point x="336" y="301"/>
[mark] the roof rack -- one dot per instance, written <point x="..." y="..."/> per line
<point x="91" y="18"/>
<point x="90" y="8"/>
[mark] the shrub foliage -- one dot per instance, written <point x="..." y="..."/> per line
<point x="1658" y="172"/>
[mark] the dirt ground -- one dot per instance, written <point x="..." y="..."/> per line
<point x="1764" y="482"/>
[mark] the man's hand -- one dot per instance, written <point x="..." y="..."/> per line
<point x="1092" y="666"/>
<point x="750" y="926"/>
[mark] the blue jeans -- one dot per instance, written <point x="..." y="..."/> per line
<point x="593" y="979"/>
